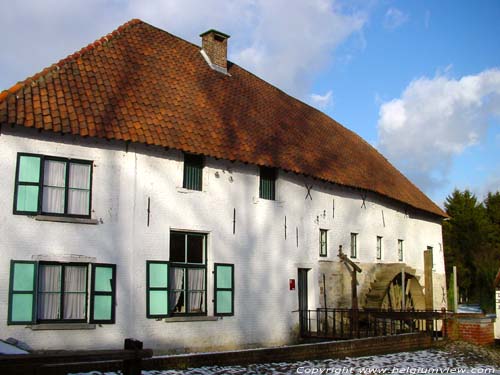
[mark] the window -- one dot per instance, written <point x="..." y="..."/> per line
<point x="187" y="273"/>
<point x="267" y="184"/>
<point x="50" y="292"/>
<point x="323" y="245"/>
<point x="52" y="186"/>
<point x="354" y="245"/>
<point x="400" y="250"/>
<point x="193" y="172"/>
<point x="62" y="292"/>
<point x="379" y="247"/>
<point x="224" y="289"/>
<point x="178" y="286"/>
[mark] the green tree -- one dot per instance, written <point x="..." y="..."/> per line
<point x="469" y="244"/>
<point x="492" y="205"/>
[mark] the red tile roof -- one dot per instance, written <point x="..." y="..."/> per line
<point x="142" y="84"/>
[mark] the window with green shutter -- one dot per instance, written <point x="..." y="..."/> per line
<point x="267" y="183"/>
<point x="157" y="274"/>
<point x="52" y="186"/>
<point x="224" y="289"/>
<point x="22" y="292"/>
<point x="103" y="293"/>
<point x="52" y="292"/>
<point x="193" y="172"/>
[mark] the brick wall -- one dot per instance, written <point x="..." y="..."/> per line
<point x="215" y="49"/>
<point x="336" y="349"/>
<point x="476" y="330"/>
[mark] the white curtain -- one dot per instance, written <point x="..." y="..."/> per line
<point x="196" y="279"/>
<point x="54" y="180"/>
<point x="49" y="287"/>
<point x="176" y="282"/>
<point x="79" y="189"/>
<point x="75" y="288"/>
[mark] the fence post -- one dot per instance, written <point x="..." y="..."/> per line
<point x="132" y="366"/>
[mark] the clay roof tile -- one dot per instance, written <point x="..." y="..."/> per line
<point x="143" y="84"/>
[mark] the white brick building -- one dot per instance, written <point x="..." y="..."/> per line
<point x="106" y="236"/>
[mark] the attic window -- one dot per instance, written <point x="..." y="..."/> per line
<point x="267" y="184"/>
<point x="193" y="172"/>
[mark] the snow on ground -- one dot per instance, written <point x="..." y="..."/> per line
<point x="6" y="348"/>
<point x="432" y="361"/>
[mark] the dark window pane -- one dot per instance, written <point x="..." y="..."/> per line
<point x="177" y="248"/>
<point x="195" y="249"/>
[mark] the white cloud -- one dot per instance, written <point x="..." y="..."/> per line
<point x="436" y="119"/>
<point x="322" y="101"/>
<point x="286" y="42"/>
<point x="291" y="49"/>
<point x="394" y="18"/>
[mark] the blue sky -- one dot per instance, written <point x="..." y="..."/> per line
<point x="419" y="80"/>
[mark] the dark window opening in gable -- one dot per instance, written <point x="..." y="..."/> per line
<point x="53" y="186"/>
<point x="193" y="172"/>
<point x="267" y="184"/>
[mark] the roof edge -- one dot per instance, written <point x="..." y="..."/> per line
<point x="58" y="65"/>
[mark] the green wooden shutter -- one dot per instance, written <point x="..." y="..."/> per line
<point x="157" y="289"/>
<point x="193" y="172"/>
<point x="224" y="289"/>
<point x="27" y="190"/>
<point x="22" y="292"/>
<point x="103" y="293"/>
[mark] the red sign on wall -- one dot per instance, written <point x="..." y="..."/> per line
<point x="291" y="282"/>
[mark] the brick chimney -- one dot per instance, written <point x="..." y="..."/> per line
<point x="214" y="49"/>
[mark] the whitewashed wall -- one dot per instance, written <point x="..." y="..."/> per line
<point x="264" y="260"/>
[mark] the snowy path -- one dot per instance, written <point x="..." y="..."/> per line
<point x="432" y="361"/>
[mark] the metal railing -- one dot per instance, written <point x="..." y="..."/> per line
<point x="349" y="323"/>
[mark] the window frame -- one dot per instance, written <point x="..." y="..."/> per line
<point x="61" y="292"/>
<point x="186" y="266"/>
<point x="323" y="245"/>
<point x="40" y="184"/>
<point x="354" y="249"/>
<point x="267" y="175"/>
<point x="379" y="248"/>
<point x="400" y="250"/>
<point x="192" y="161"/>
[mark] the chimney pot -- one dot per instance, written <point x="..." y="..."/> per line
<point x="214" y="44"/>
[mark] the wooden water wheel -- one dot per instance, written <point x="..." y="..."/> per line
<point x="393" y="298"/>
